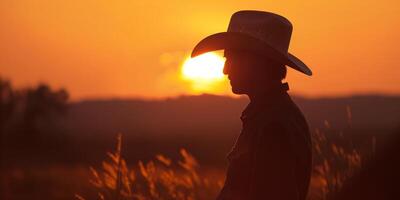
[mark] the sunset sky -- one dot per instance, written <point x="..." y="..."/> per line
<point x="127" y="48"/>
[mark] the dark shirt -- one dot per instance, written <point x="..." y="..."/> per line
<point x="271" y="158"/>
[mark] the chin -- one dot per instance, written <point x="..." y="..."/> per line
<point x="237" y="91"/>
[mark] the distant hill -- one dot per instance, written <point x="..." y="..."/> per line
<point x="219" y="115"/>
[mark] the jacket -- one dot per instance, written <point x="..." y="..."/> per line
<point x="272" y="157"/>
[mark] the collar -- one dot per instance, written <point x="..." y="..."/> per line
<point x="264" y="99"/>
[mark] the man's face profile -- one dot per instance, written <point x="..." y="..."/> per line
<point x="244" y="70"/>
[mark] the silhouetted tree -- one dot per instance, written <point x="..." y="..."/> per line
<point x="7" y="102"/>
<point x="7" y="105"/>
<point x="29" y="120"/>
<point x="42" y="103"/>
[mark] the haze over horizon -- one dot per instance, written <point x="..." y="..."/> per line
<point x="103" y="49"/>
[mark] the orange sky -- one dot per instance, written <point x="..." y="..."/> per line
<point x="128" y="48"/>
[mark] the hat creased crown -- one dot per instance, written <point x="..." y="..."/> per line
<point x="270" y="28"/>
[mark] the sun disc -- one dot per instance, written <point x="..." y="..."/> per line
<point x="208" y="66"/>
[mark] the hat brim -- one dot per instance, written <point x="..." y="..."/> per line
<point x="240" y="41"/>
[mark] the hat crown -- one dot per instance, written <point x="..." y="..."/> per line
<point x="258" y="31"/>
<point x="270" y="28"/>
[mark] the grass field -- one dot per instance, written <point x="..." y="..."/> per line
<point x="162" y="177"/>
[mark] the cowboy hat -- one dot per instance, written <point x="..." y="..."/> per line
<point x="258" y="31"/>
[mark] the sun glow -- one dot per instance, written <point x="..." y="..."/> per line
<point x="204" y="71"/>
<point x="207" y="66"/>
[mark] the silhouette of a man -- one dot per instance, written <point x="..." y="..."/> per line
<point x="271" y="158"/>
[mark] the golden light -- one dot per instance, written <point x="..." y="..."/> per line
<point x="204" y="71"/>
<point x="205" y="66"/>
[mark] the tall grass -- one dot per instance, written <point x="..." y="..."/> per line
<point x="160" y="179"/>
<point x="163" y="179"/>
<point x="334" y="166"/>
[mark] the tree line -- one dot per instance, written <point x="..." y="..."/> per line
<point x="29" y="120"/>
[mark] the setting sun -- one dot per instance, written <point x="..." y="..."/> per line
<point x="208" y="66"/>
<point x="204" y="71"/>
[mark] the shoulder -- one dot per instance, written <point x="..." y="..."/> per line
<point x="284" y="114"/>
<point x="273" y="118"/>
<point x="272" y="133"/>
